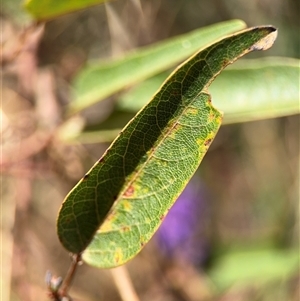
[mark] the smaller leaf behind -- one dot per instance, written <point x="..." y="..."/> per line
<point x="49" y="9"/>
<point x="248" y="90"/>
<point x="100" y="80"/>
<point x="259" y="267"/>
<point x="131" y="188"/>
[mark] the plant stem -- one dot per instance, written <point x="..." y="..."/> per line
<point x="76" y="258"/>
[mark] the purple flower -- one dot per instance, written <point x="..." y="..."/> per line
<point x="179" y="236"/>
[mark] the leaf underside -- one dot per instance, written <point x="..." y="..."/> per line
<point x="117" y="207"/>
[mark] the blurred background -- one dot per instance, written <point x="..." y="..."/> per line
<point x="234" y="232"/>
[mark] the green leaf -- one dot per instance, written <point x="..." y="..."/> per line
<point x="258" y="89"/>
<point x="119" y="204"/>
<point x="138" y="96"/>
<point x="248" y="90"/>
<point x="254" y="267"/>
<point x="101" y="80"/>
<point x="48" y="9"/>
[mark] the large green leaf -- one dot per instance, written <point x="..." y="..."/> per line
<point x="119" y="204"/>
<point x="101" y="80"/>
<point x="248" y="90"/>
<point x="48" y="9"/>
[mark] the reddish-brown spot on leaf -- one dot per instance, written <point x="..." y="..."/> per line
<point x="175" y="92"/>
<point x="68" y="220"/>
<point x="211" y="117"/>
<point x="207" y="142"/>
<point x="225" y="63"/>
<point x="177" y="126"/>
<point x="129" y="192"/>
<point x="125" y="229"/>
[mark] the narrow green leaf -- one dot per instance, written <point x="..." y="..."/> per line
<point x="258" y="89"/>
<point x="90" y="137"/>
<point x="254" y="267"/>
<point x="138" y="96"/>
<point x="48" y="9"/>
<point x="116" y="208"/>
<point x="248" y="90"/>
<point x="99" y="81"/>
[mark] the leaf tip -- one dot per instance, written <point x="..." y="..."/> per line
<point x="267" y="41"/>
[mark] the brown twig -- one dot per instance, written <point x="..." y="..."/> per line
<point x="63" y="292"/>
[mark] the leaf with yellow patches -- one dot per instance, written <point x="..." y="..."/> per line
<point x="112" y="213"/>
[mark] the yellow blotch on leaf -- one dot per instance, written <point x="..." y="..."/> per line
<point x="118" y="256"/>
<point x="126" y="205"/>
<point x="107" y="225"/>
